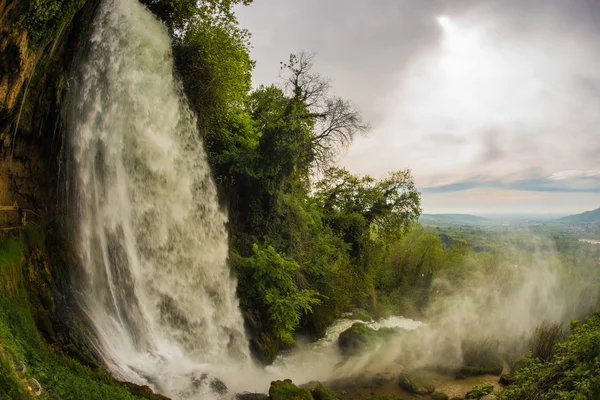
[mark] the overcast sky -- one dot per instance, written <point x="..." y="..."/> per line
<point x="494" y="105"/>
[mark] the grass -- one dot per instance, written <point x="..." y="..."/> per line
<point x="25" y="277"/>
<point x="480" y="356"/>
<point x="543" y="341"/>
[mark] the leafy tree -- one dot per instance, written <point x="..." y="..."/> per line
<point x="273" y="288"/>
<point x="177" y="14"/>
<point x="215" y="67"/>
<point x="392" y="203"/>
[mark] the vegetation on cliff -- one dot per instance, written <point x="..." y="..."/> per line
<point x="39" y="335"/>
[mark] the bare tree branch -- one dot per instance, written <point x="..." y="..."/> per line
<point x="336" y="121"/>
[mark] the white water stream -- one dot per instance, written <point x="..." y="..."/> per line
<point x="152" y="238"/>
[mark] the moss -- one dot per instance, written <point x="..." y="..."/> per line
<point x="439" y="396"/>
<point x="10" y="264"/>
<point x="286" y="390"/>
<point x="362" y="315"/>
<point x="360" y="337"/>
<point x="10" y="386"/>
<point x="410" y="382"/>
<point x="60" y="376"/>
<point x="320" y="392"/>
<point x="44" y="18"/>
<point x="480" y="391"/>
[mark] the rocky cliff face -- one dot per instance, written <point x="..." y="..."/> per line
<point x="38" y="44"/>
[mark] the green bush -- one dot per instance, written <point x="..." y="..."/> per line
<point x="320" y="392"/>
<point x="479" y="391"/>
<point x="269" y="280"/>
<point x="44" y="18"/>
<point x="363" y="315"/>
<point x="571" y="373"/>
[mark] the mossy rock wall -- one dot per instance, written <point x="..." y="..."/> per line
<point x="39" y="40"/>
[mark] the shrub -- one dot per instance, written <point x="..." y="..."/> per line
<point x="479" y="391"/>
<point x="362" y="315"/>
<point x="571" y="373"/>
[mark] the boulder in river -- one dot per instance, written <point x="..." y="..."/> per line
<point x="251" y="396"/>
<point x="439" y="396"/>
<point x="360" y="337"/>
<point x="506" y="379"/>
<point x="412" y="383"/>
<point x="285" y="390"/>
<point x="480" y="391"/>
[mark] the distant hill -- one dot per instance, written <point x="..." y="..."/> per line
<point x="452" y="218"/>
<point x="585" y="217"/>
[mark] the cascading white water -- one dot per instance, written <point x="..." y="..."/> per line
<point x="152" y="238"/>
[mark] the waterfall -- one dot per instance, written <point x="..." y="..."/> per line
<point x="151" y="237"/>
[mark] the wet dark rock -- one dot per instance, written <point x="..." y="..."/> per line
<point x="142" y="391"/>
<point x="439" y="396"/>
<point x="285" y="390"/>
<point x="412" y="383"/>
<point x="506" y="379"/>
<point x="218" y="386"/>
<point x="360" y="337"/>
<point x="480" y="391"/>
<point x="251" y="396"/>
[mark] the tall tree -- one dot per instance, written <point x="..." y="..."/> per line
<point x="336" y="121"/>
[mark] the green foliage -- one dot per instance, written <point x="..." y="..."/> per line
<point x="480" y="391"/>
<point x="214" y="65"/>
<point x="178" y="14"/>
<point x="386" y="397"/>
<point x="411" y="382"/>
<point x="363" y="315"/>
<point x="393" y="203"/>
<point x="10" y="265"/>
<point x="44" y="18"/>
<point x="274" y="289"/>
<point x="404" y="282"/>
<point x="572" y="373"/>
<point x="60" y="376"/>
<point x="10" y="385"/>
<point x="320" y="392"/>
<point x="439" y="396"/>
<point x="359" y="337"/>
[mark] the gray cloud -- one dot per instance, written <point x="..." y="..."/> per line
<point x="525" y="107"/>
